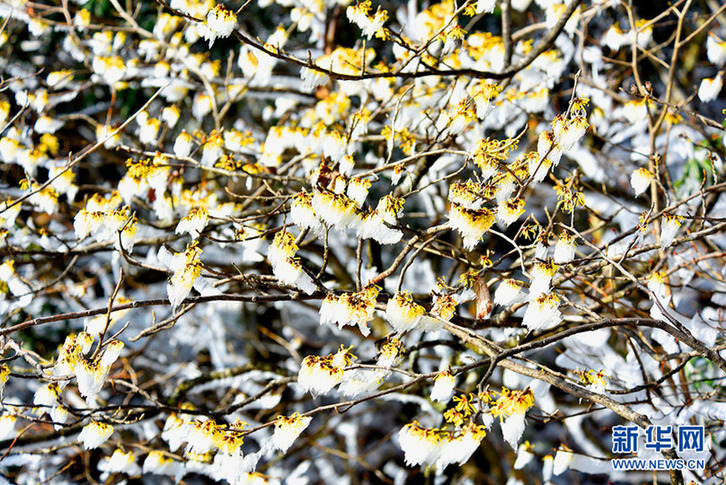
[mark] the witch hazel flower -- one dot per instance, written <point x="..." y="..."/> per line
<point x="640" y="180"/>
<point x="375" y="224"/>
<point x="335" y="210"/>
<point x="318" y="375"/>
<point x="194" y="222"/>
<point x="94" y="434"/>
<point x="285" y="266"/>
<point x="565" y="248"/>
<point x="668" y="229"/>
<point x="183" y="145"/>
<point x="457" y="448"/>
<point x="595" y="381"/>
<point x="543" y="312"/>
<point x="219" y="24"/>
<point x="716" y="50"/>
<point x="369" y="24"/>
<point x="509" y="211"/>
<point x="350" y="309"/>
<point x="511" y="408"/>
<point x="472" y="224"/>
<point x="710" y="88"/>
<point x="287" y="429"/>
<point x="120" y="462"/>
<point x="185" y="275"/>
<point x="541" y="274"/>
<point x="420" y="445"/>
<point x="7" y="426"/>
<point x="402" y="312"/>
<point x="509" y="293"/>
<point x="303" y="214"/>
<point x="358" y="189"/>
<point x="547" y="147"/>
<point x="443" y="388"/>
<point x="212" y="149"/>
<point x="290" y="272"/>
<point x="466" y="194"/>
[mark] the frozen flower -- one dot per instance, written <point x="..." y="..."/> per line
<point x="565" y="248"/>
<point x="175" y="432"/>
<point x="641" y="180"/>
<point x="511" y="408"/>
<point x="443" y="387"/>
<point x="634" y="111"/>
<point x="359" y="15"/>
<point x="547" y="147"/>
<point x="283" y="246"/>
<point x="201" y="106"/>
<point x="716" y="50"/>
<point x="709" y="88"/>
<point x="46" y="124"/>
<point x="537" y="166"/>
<point x="508" y="293"/>
<point x="318" y="375"/>
<point x="202" y="436"/>
<point x="111" y="354"/>
<point x="82" y="19"/>
<point x="312" y="78"/>
<point x="107" y="136"/>
<point x="335" y="210"/>
<point x="444" y="306"/>
<point x="59" y="415"/>
<point x="148" y="130"/>
<point x="472" y="224"/>
<point x="111" y="69"/>
<point x="212" y="149"/>
<point x="120" y="462"/>
<point x="402" y="312"/>
<point x="389" y="353"/>
<point x="466" y="194"/>
<point x="219" y="24"/>
<point x="334" y="145"/>
<point x="542" y="313"/>
<point x="420" y="445"/>
<point x="287" y="429"/>
<point x="485" y="6"/>
<point x="524" y="456"/>
<point x="614" y="38"/>
<point x="170" y="115"/>
<point x="7" y="426"/>
<point x="185" y="274"/>
<point x="668" y="229"/>
<point x="358" y="190"/>
<point x="569" y="132"/>
<point x="350" y="309"/>
<point x="290" y="272"/>
<point x="94" y="434"/>
<point x="657" y="284"/>
<point x="458" y="449"/>
<point x="90" y="377"/>
<point x="303" y="214"/>
<point x="156" y="462"/>
<point x="4" y="376"/>
<point x="595" y="381"/>
<point x="194" y="222"/>
<point x="47" y="395"/>
<point x="541" y="274"/>
<point x="373" y="226"/>
<point x="509" y="211"/>
<point x="183" y="145"/>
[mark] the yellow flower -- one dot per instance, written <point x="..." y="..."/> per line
<point x="512" y="402"/>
